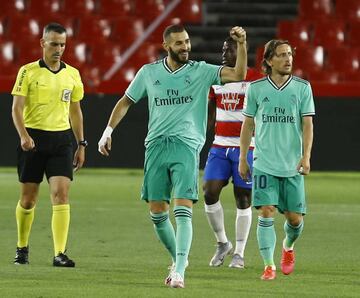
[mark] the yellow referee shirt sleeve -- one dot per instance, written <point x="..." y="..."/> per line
<point x="21" y="84"/>
<point x="78" y="91"/>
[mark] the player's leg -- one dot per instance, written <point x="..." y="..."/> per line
<point x="216" y="175"/>
<point x="184" y="234"/>
<point x="30" y="167"/>
<point x="24" y="219"/>
<point x="156" y="190"/>
<point x="265" y="198"/>
<point x="294" y="207"/>
<point x="242" y="194"/>
<point x="59" y="173"/>
<point x="184" y="172"/>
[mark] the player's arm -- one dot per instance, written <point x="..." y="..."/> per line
<point x="247" y="130"/>
<point x="27" y="143"/>
<point x="76" y="119"/>
<point x="237" y="73"/>
<point x="211" y="115"/>
<point x="307" y="126"/>
<point x="116" y="116"/>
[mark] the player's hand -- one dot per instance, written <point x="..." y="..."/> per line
<point x="303" y="166"/>
<point x="238" y="34"/>
<point x="244" y="171"/>
<point x="79" y="158"/>
<point x="104" y="145"/>
<point x="27" y="143"/>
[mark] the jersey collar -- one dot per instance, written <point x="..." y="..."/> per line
<point x="283" y="86"/>
<point x="43" y="64"/>
<point x="169" y="69"/>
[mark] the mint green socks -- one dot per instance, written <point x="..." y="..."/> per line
<point x="183" y="218"/>
<point x="165" y="231"/>
<point x="266" y="239"/>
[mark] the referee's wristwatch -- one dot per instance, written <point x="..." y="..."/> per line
<point x="83" y="143"/>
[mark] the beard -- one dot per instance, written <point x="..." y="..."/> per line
<point x="176" y="57"/>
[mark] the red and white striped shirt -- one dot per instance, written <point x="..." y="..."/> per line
<point x="229" y="105"/>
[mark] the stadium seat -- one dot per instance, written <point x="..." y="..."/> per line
<point x="329" y="33"/>
<point x="149" y="52"/>
<point x="127" y="30"/>
<point x="354" y="33"/>
<point x="298" y="32"/>
<point x="51" y="7"/>
<point x="68" y="22"/>
<point x="330" y="77"/>
<point x="24" y="27"/>
<point x="3" y="23"/>
<point x="94" y="29"/>
<point x="308" y="58"/>
<point x="189" y="11"/>
<point x="148" y="10"/>
<point x="76" y="53"/>
<point x="349" y="9"/>
<point x="315" y="9"/>
<point x="28" y="51"/>
<point x="13" y="7"/>
<point x="104" y="55"/>
<point x="79" y="8"/>
<point x="8" y="55"/>
<point x="116" y="8"/>
<point x="345" y="60"/>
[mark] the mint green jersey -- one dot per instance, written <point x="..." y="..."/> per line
<point x="177" y="100"/>
<point x="278" y="112"/>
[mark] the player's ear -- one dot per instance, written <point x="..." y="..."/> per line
<point x="165" y="46"/>
<point x="42" y="41"/>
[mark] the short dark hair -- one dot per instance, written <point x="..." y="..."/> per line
<point x="177" y="28"/>
<point x="269" y="52"/>
<point x="54" y="27"/>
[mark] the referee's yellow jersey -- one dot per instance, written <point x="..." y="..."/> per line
<point x="48" y="94"/>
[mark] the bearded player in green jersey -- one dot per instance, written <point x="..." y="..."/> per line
<point x="177" y="91"/>
<point x="279" y="108"/>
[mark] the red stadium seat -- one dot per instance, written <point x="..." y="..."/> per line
<point x="345" y="60"/>
<point x="7" y="54"/>
<point x="149" y="52"/>
<point x="76" y="53"/>
<point x="308" y="58"/>
<point x="330" y="33"/>
<point x="51" y="7"/>
<point x="28" y="51"/>
<point x="330" y="77"/>
<point x="93" y="29"/>
<point x="79" y="8"/>
<point x="116" y="8"/>
<point x="349" y="9"/>
<point x="68" y="22"/>
<point x="13" y="7"/>
<point x="354" y="33"/>
<point x="24" y="27"/>
<point x="104" y="55"/>
<point x="189" y="11"/>
<point x="149" y="9"/>
<point x="127" y="30"/>
<point x="297" y="32"/>
<point x="315" y="9"/>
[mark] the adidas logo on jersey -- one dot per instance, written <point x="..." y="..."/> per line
<point x="266" y="99"/>
<point x="157" y="83"/>
<point x="189" y="190"/>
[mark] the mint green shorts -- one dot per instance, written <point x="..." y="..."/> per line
<point x="286" y="193"/>
<point x="171" y="170"/>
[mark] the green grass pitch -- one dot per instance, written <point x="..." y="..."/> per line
<point x="117" y="253"/>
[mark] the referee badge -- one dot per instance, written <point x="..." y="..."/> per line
<point x="66" y="96"/>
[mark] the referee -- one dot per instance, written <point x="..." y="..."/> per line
<point x="46" y="107"/>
